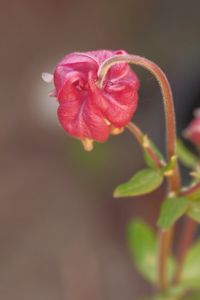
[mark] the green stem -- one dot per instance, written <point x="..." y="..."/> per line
<point x="165" y="238"/>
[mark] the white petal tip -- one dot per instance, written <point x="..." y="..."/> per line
<point x="47" y="77"/>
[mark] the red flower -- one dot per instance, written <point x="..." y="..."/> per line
<point x="85" y="111"/>
<point x="192" y="132"/>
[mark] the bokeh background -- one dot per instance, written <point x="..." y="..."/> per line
<point x="62" y="235"/>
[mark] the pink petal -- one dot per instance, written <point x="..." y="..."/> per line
<point x="83" y="121"/>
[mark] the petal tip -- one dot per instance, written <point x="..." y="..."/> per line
<point x="47" y="77"/>
<point x="87" y="144"/>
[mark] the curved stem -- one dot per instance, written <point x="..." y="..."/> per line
<point x="165" y="238"/>
<point x="167" y="100"/>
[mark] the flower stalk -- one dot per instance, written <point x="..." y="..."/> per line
<point x="165" y="237"/>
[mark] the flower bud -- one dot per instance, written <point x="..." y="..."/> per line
<point x="85" y="111"/>
<point x="192" y="132"/>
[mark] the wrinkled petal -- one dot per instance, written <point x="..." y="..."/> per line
<point x="66" y="83"/>
<point x="115" y="71"/>
<point x="80" y="62"/>
<point x="117" y="102"/>
<point x="85" y="111"/>
<point x="83" y="121"/>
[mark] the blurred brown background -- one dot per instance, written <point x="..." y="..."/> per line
<point x="61" y="232"/>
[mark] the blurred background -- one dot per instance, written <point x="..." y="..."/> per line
<point x="62" y="235"/>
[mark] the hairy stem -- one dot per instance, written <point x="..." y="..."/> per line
<point x="174" y="181"/>
<point x="165" y="238"/>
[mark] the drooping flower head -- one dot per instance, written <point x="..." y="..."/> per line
<point x="85" y="111"/>
<point x="192" y="132"/>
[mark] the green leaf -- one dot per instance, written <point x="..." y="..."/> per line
<point x="148" y="159"/>
<point x="191" y="268"/>
<point x="141" y="183"/>
<point x="143" y="246"/>
<point x="171" y="210"/>
<point x="186" y="157"/>
<point x="194" y="211"/>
